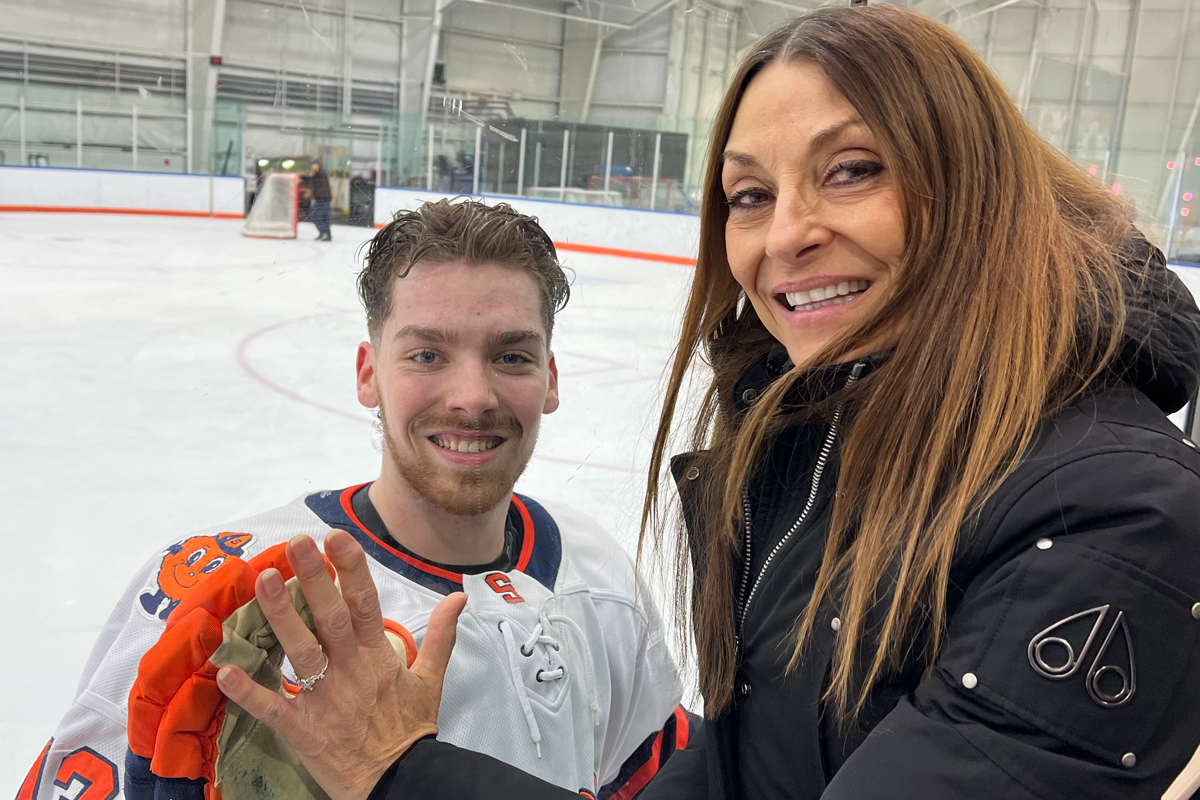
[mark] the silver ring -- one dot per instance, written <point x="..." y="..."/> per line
<point x="306" y="684"/>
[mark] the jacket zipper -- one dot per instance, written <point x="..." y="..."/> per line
<point x="822" y="459"/>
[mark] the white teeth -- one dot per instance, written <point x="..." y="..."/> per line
<point x="797" y="298"/>
<point x="465" y="445"/>
<point x="834" y="294"/>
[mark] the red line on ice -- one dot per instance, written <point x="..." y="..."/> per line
<point x="245" y="364"/>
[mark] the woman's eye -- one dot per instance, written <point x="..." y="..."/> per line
<point x="747" y="199"/>
<point x="851" y="172"/>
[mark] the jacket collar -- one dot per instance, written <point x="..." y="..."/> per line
<point x="814" y="385"/>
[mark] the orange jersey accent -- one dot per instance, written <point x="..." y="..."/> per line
<point x="30" y="785"/>
<point x="186" y="564"/>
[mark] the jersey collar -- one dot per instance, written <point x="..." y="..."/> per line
<point x="541" y="546"/>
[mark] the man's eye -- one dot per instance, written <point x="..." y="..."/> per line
<point x="426" y="357"/>
<point x="513" y="359"/>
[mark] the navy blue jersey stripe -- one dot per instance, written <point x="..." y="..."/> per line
<point x="543" y="563"/>
<point x="547" y="545"/>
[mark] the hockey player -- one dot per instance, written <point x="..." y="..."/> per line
<point x="560" y="668"/>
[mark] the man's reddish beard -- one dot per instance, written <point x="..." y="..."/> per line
<point x="463" y="492"/>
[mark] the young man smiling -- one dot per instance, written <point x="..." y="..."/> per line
<point x="560" y="667"/>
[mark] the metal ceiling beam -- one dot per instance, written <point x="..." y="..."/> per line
<point x="991" y="9"/>
<point x="493" y="37"/>
<point x="543" y="13"/>
<point x="788" y="6"/>
<point x="597" y="52"/>
<point x="435" y="37"/>
<point x="92" y="47"/>
<point x="1118" y="130"/>
<point x="1162" y="151"/>
<point x="637" y="21"/>
<point x="348" y="57"/>
<point x="336" y="12"/>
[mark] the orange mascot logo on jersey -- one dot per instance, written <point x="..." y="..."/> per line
<point x="186" y="564"/>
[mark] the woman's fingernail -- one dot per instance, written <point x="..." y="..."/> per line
<point x="305" y="549"/>
<point x="338" y="542"/>
<point x="225" y="676"/>
<point x="272" y="582"/>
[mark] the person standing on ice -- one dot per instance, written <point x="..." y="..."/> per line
<point x="561" y="668"/>
<point x="318" y="184"/>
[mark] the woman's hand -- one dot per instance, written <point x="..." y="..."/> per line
<point x="369" y="708"/>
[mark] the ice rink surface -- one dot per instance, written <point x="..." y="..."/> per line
<point x="162" y="375"/>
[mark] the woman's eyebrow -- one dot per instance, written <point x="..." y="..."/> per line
<point x="820" y="141"/>
<point x="741" y="159"/>
<point x="831" y="134"/>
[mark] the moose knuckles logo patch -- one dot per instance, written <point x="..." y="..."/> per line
<point x="1112" y="677"/>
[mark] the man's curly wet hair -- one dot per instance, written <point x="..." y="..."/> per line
<point x="460" y="230"/>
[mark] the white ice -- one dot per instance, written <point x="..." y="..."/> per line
<point x="163" y="375"/>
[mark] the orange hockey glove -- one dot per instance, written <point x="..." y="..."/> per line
<point x="185" y="740"/>
<point x="175" y="707"/>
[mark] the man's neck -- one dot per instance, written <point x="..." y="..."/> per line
<point x="432" y="533"/>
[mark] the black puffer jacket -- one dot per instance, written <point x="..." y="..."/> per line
<point x="1101" y="520"/>
<point x="1093" y="541"/>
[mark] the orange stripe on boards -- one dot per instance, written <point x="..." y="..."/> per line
<point x="153" y="212"/>
<point x="615" y="251"/>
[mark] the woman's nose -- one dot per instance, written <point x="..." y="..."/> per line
<point x="797" y="228"/>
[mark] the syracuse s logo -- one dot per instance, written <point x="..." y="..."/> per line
<point x="502" y="586"/>
<point x="1111" y="678"/>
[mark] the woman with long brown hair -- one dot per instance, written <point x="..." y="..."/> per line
<point x="942" y="540"/>
<point x="941" y="358"/>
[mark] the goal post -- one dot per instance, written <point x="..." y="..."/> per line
<point x="637" y="191"/>
<point x="590" y="197"/>
<point x="276" y="209"/>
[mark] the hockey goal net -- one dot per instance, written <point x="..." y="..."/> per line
<point x="589" y="197"/>
<point x="276" y="208"/>
<point x="640" y="192"/>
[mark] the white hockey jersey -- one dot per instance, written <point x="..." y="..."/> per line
<point x="559" y="667"/>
